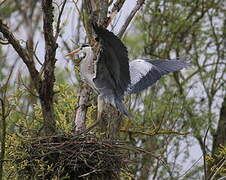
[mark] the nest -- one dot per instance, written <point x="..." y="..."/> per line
<point x="71" y="157"/>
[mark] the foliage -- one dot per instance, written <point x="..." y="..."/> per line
<point x="217" y="163"/>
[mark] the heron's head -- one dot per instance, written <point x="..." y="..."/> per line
<point x="85" y="49"/>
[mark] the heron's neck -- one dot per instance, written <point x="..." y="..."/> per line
<point x="87" y="64"/>
<point x="89" y="55"/>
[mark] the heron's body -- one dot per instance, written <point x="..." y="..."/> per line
<point x="113" y="76"/>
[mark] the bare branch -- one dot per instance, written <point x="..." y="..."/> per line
<point x="59" y="19"/>
<point x="130" y="17"/>
<point x="116" y="8"/>
<point x="154" y="132"/>
<point x="23" y="53"/>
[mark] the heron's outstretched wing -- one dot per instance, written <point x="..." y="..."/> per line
<point x="112" y="68"/>
<point x="145" y="72"/>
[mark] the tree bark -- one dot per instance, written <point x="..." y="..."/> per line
<point x="220" y="135"/>
<point x="46" y="92"/>
<point x="3" y="137"/>
<point x="82" y="109"/>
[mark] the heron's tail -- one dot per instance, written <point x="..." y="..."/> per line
<point x="120" y="107"/>
<point x="117" y="103"/>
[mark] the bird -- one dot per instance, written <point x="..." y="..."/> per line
<point x="112" y="76"/>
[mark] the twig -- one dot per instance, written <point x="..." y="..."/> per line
<point x="192" y="166"/>
<point x="59" y="19"/>
<point x="36" y="57"/>
<point x="204" y="153"/>
<point x="154" y="132"/>
<point x="138" y="149"/>
<point x="86" y="174"/>
<point x="130" y="17"/>
<point x="218" y="169"/>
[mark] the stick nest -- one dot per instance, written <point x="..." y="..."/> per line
<point x="70" y="157"/>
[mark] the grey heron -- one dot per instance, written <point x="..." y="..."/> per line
<point x="112" y="76"/>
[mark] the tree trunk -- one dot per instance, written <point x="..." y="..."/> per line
<point x="46" y="92"/>
<point x="79" y="122"/>
<point x="220" y="135"/>
<point x="49" y="124"/>
<point x="3" y="137"/>
<point x="110" y="122"/>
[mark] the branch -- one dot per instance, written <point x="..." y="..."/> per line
<point x="130" y="17"/>
<point x="50" y="45"/>
<point x="154" y="132"/>
<point x="23" y="53"/>
<point x="1" y="3"/>
<point x="116" y="8"/>
<point x="3" y="137"/>
<point x="118" y="5"/>
<point x="204" y="153"/>
<point x="59" y="19"/>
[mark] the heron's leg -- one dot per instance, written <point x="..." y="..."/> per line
<point x="100" y="107"/>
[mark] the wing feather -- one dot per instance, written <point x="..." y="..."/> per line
<point x="144" y="72"/>
<point x="112" y="72"/>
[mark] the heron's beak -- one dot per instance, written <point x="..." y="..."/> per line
<point x="73" y="52"/>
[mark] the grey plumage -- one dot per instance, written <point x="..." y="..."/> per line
<point x="113" y="76"/>
<point x="144" y="72"/>
<point x="112" y="72"/>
